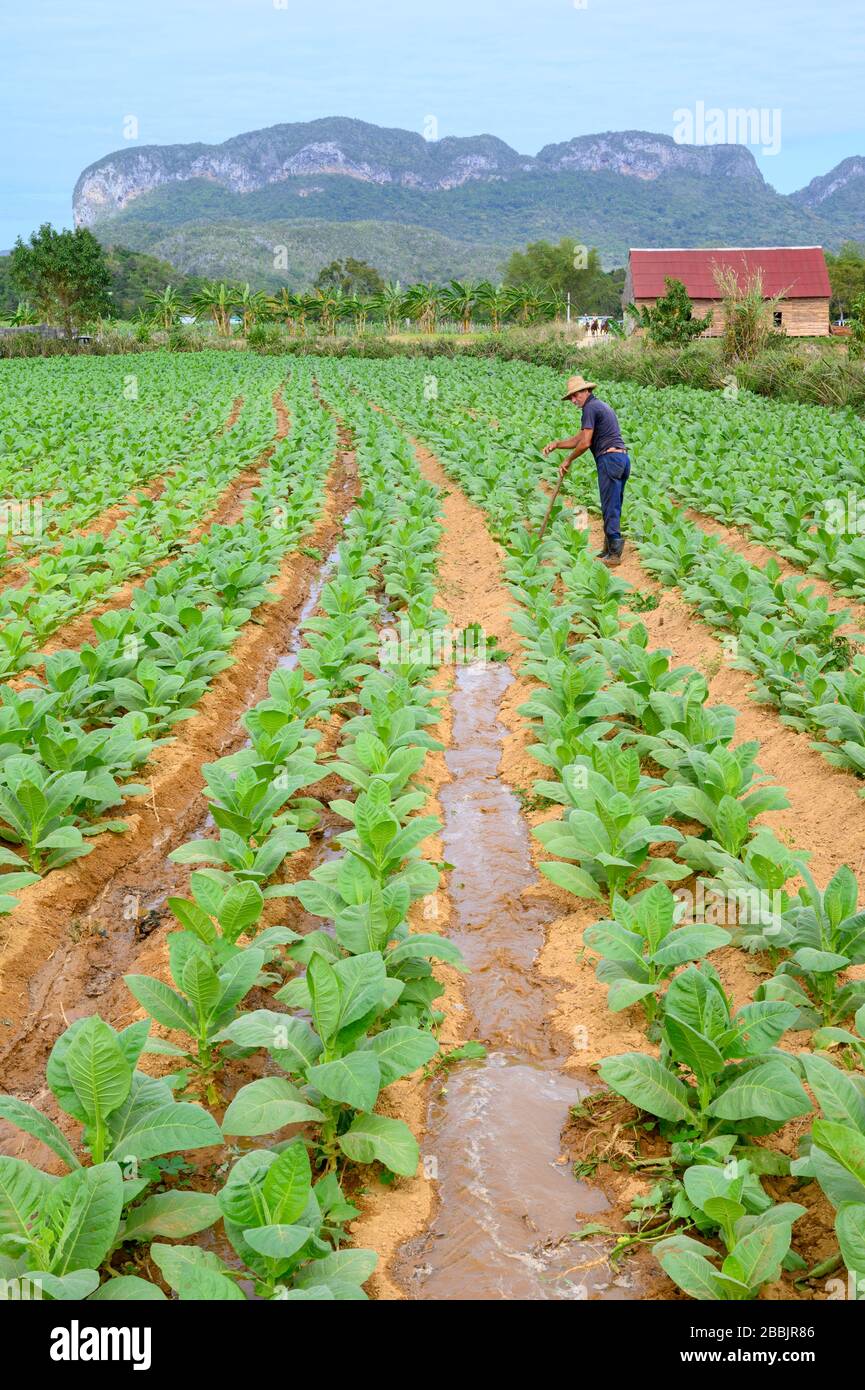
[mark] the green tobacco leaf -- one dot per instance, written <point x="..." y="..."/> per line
<point x="166" y="1129"/>
<point x="845" y="1145"/>
<point x="97" y="1068"/>
<point x="172" y="1215"/>
<point x="162" y="1003"/>
<point x="374" y="1138"/>
<point x="194" y="1273"/>
<point x="28" y="1118"/>
<point x="354" y="1080"/>
<point x="576" y="881"/>
<point x="401" y="1050"/>
<point x="266" y="1105"/>
<point x="277" y="1242"/>
<point x="769" y="1092"/>
<point x="84" y="1208"/>
<point x="756" y="1258"/>
<point x="835" y="1091"/>
<point x="850" y="1228"/>
<point x="693" y="1273"/>
<point x="647" y="1084"/>
<point x="288" y="1184"/>
<point x="23" y="1189"/>
<point x="127" y="1288"/>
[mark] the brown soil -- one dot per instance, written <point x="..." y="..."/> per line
<point x="227" y="510"/>
<point x="57" y="953"/>
<point x="735" y="538"/>
<point x="107" y="520"/>
<point x="471" y="591"/>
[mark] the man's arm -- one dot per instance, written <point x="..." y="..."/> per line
<point x="582" y="442"/>
<point x="562" y="444"/>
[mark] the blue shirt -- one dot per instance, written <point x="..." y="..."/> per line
<point x="601" y="419"/>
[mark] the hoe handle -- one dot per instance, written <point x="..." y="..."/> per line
<point x="550" y="507"/>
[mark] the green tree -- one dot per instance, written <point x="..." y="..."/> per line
<point x="670" y="321"/>
<point x="390" y="303"/>
<point x="567" y="268"/>
<point x="856" y="348"/>
<point x="64" y="274"/>
<point x="352" y="276"/>
<point x="846" y="277"/>
<point x="494" y="301"/>
<point x="216" y="302"/>
<point x="165" y="307"/>
<point x="423" y="304"/>
<point x="460" y="298"/>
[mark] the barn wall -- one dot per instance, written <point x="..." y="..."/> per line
<point x="808" y="318"/>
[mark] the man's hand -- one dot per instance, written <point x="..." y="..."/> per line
<point x="551" y="448"/>
<point x="564" y="466"/>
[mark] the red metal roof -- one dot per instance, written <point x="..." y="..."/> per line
<point x="797" y="271"/>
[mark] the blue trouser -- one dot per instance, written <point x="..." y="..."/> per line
<point x="614" y="470"/>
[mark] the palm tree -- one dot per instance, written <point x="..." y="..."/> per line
<point x="494" y="300"/>
<point x="24" y="314"/>
<point x="357" y="308"/>
<point x="390" y="303"/>
<point x="423" y="303"/>
<point x="307" y="306"/>
<point x="216" y="302"/>
<point x="165" y="307"/>
<point x="285" y="306"/>
<point x="524" y="302"/>
<point x="252" y="305"/>
<point x="460" y="298"/>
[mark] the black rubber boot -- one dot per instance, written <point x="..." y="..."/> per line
<point x="602" y="554"/>
<point x="614" y="556"/>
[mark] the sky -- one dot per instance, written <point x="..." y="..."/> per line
<point x="532" y="72"/>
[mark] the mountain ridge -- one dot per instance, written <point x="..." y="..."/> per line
<point x="453" y="207"/>
<point x="342" y="146"/>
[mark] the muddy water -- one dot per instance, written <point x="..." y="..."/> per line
<point x="507" y="1200"/>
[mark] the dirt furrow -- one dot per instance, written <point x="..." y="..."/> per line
<point x="106" y="521"/>
<point x="497" y="1221"/>
<point x="227" y="510"/>
<point x="756" y="553"/>
<point x="123" y="868"/>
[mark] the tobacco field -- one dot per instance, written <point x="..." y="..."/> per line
<point x="395" y="904"/>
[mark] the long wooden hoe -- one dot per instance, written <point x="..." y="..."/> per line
<point x="550" y="507"/>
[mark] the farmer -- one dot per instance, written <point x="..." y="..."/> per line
<point x="599" y="431"/>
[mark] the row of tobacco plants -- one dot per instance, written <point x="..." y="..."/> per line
<point x="76" y="731"/>
<point x="328" y="1018"/>
<point x="654" y="793"/>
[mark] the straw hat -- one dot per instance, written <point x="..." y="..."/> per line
<point x="577" y="383"/>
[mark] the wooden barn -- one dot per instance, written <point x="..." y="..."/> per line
<point x="797" y="273"/>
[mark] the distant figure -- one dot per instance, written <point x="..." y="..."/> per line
<point x="599" y="432"/>
<point x="594" y="329"/>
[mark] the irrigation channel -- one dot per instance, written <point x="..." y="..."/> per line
<point x="507" y="1201"/>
